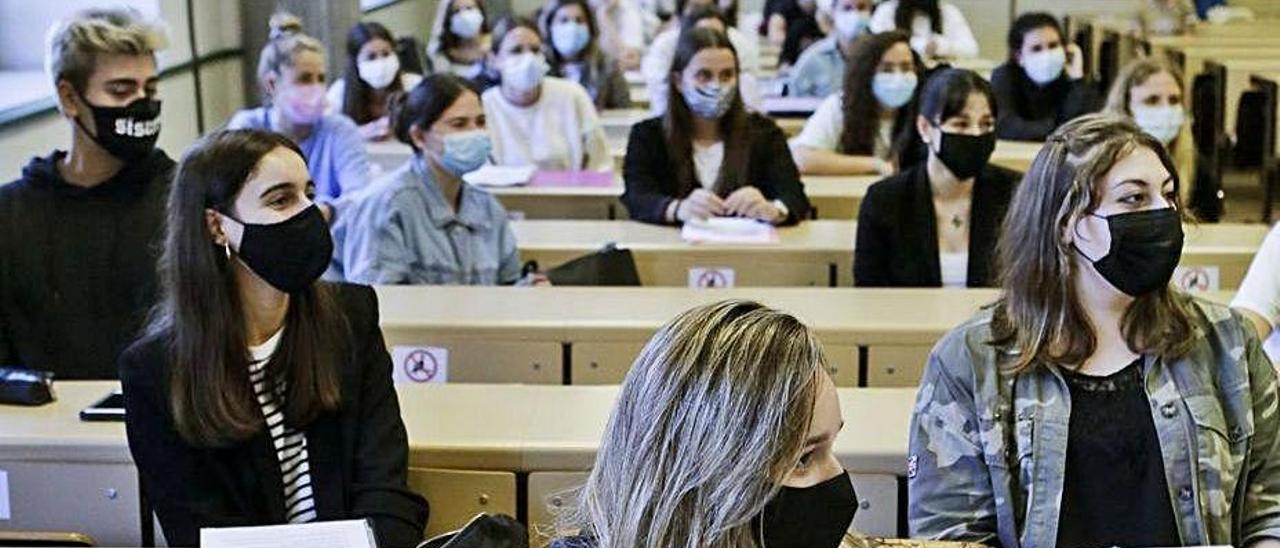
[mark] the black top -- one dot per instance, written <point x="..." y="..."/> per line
<point x="1028" y="112"/>
<point x="1114" y="489"/>
<point x="651" y="181"/>
<point x="897" y="241"/>
<point x="78" y="265"/>
<point x="358" y="455"/>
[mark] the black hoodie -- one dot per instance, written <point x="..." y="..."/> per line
<point x="78" y="265"/>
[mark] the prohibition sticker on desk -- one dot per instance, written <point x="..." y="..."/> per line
<point x="1197" y="278"/>
<point x="420" y="364"/>
<point x="711" y="277"/>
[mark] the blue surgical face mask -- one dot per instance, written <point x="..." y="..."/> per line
<point x="893" y="89"/>
<point x="570" y="38"/>
<point x="465" y="151"/>
<point x="711" y="101"/>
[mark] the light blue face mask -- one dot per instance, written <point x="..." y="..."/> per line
<point x="570" y="38"/>
<point x="893" y="89"/>
<point x="465" y="152"/>
<point x="710" y="102"/>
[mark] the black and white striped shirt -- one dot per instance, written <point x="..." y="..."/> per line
<point x="290" y="445"/>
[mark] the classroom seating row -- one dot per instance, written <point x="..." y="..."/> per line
<point x="815" y="253"/>
<point x="591" y="335"/>
<point x="494" y="448"/>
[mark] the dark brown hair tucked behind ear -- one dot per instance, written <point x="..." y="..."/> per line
<point x="201" y="316"/>
<point x="1039" y="318"/>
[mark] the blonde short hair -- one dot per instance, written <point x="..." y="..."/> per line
<point x="73" y="43"/>
<point x="287" y="40"/>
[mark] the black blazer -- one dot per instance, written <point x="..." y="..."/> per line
<point x="358" y="455"/>
<point x="1028" y="112"/>
<point x="651" y="181"/>
<point x="898" y="234"/>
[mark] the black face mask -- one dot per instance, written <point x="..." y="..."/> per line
<point x="129" y="132"/>
<point x="289" y="255"/>
<point x="810" y="517"/>
<point x="1145" y="249"/>
<point x="965" y="155"/>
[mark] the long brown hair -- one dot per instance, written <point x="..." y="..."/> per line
<point x="677" y="123"/>
<point x="1039" y="317"/>
<point x="357" y="93"/>
<point x="709" y="422"/>
<point x="200" y="313"/>
<point x="860" y="107"/>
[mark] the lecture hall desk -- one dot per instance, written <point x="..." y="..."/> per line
<point x="813" y="253"/>
<point x="470" y="446"/>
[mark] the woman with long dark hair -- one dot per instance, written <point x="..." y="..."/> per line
<point x="860" y="129"/>
<point x="575" y="55"/>
<point x="707" y="156"/>
<point x="259" y="395"/>
<point x="372" y="75"/>
<point x="936" y="223"/>
<point x="1043" y="84"/>
<point x="1093" y="404"/>
<point x="938" y="29"/>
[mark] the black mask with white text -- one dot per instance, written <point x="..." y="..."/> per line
<point x="290" y="255"/>
<point x="809" y="517"/>
<point x="129" y="132"/>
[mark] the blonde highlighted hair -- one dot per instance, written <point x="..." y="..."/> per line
<point x="74" y="43"/>
<point x="1135" y="74"/>
<point x="287" y="40"/>
<point x="709" y="421"/>
<point x="1039" y="318"/>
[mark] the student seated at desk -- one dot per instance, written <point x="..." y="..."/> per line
<point x="936" y="223"/>
<point x="656" y="65"/>
<point x="291" y="71"/>
<point x="1151" y="92"/>
<point x="373" y="73"/>
<point x="819" y="71"/>
<point x="459" y="40"/>
<point x="721" y="437"/>
<point x="1093" y="404"/>
<point x="860" y="129"/>
<point x="707" y="156"/>
<point x="422" y="224"/>
<point x="575" y="53"/>
<point x="258" y="395"/>
<point x="938" y="29"/>
<point x="535" y="119"/>
<point x="1043" y="84"/>
<point x="78" y="229"/>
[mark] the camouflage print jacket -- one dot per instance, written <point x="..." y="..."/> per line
<point x="988" y="450"/>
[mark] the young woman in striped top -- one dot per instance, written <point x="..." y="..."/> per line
<point x="259" y="395"/>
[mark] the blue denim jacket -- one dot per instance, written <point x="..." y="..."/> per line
<point x="988" y="449"/>
<point x="401" y="230"/>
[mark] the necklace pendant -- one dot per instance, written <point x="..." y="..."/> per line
<point x="956" y="221"/>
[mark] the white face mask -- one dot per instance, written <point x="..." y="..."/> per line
<point x="524" y="72"/>
<point x="570" y="38"/>
<point x="466" y="23"/>
<point x="379" y="73"/>
<point x="1045" y="66"/>
<point x="850" y="24"/>
<point x="1163" y="123"/>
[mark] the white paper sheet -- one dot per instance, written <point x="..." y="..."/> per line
<point x="334" y="534"/>
<point x="498" y="176"/>
<point x="729" y="230"/>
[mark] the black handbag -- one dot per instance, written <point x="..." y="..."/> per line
<point x="609" y="266"/>
<point x="484" y="531"/>
<point x="25" y="386"/>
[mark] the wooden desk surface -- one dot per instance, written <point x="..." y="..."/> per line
<point x="1194" y="57"/>
<point x="1015" y="155"/>
<point x="589" y="236"/>
<point x="514" y="428"/>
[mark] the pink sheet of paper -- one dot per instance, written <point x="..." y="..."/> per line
<point x="550" y="178"/>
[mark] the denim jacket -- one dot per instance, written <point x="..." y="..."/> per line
<point x="988" y="449"/>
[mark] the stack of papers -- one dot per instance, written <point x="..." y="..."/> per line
<point x="335" y="534"/>
<point x="729" y="230"/>
<point x="573" y="178"/>
<point x="500" y="176"/>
